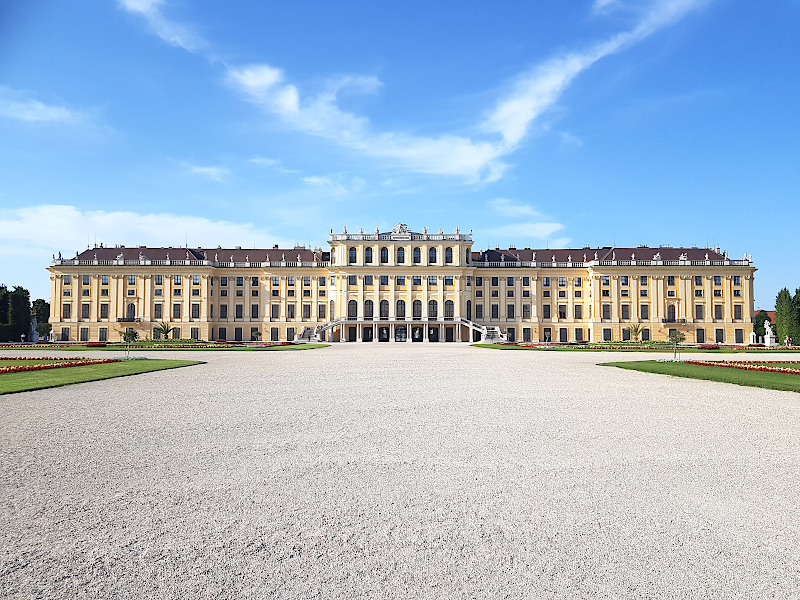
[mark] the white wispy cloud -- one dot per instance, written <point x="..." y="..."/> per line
<point x="14" y="105"/>
<point x="338" y="185"/>
<point x="167" y="30"/>
<point x="520" y="232"/>
<point x="509" y="208"/>
<point x="271" y="163"/>
<point x="476" y="159"/>
<point x="214" y="173"/>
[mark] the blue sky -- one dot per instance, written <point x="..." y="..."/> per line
<point x="532" y="123"/>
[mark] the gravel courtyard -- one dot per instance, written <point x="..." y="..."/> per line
<point x="400" y="471"/>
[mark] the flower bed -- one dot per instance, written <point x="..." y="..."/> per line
<point x="708" y="346"/>
<point x="747" y="365"/>
<point x="63" y="363"/>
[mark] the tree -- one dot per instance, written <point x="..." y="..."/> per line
<point x="635" y="329"/>
<point x="15" y="313"/>
<point x="787" y="322"/>
<point x="758" y="323"/>
<point x="129" y="336"/>
<point x="163" y="329"/>
<point x="676" y="337"/>
<point x="41" y="308"/>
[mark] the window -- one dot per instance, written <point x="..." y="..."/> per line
<point x="448" y="280"/>
<point x="367" y="279"/>
<point x="698" y="312"/>
<point x="65" y="334"/>
<point x="737" y="312"/>
<point x="717" y="280"/>
<point x="240" y="281"/>
<point x="290" y="311"/>
<point x="526" y="281"/>
<point x="431" y="256"/>
<point x="526" y="293"/>
<point x="368" y="255"/>
<point x="103" y="331"/>
<point x="276" y="282"/>
<point x="322" y="281"/>
<point x="195" y="279"/>
<point x="626" y="311"/>
<point x="526" y="311"/>
<point x="400" y="309"/>
<point x="670" y="293"/>
<point x="176" y="333"/>
<point x="211" y="311"/>
<point x="240" y="293"/>
<point x="645" y="312"/>
<point x="642" y="293"/>
<point x="578" y="309"/>
<point x="509" y="293"/>
<point x="194" y="333"/>
<point x="479" y="281"/>
<point x="737" y="293"/>
<point x="718" y="311"/>
<point x="700" y="336"/>
<point x="720" y="336"/>
<point x="562" y="282"/>
<point x="645" y="335"/>
<point x="737" y="280"/>
<point x="158" y="293"/>
<point x="670" y="280"/>
<point x="273" y="334"/>
<point x="449" y="309"/>
<point x="85" y="311"/>
<point x="510" y="311"/>
<point x="416" y="280"/>
<point x="417" y="308"/>
<point x="84" y="334"/>
<point x="698" y="293"/>
<point x="562" y="293"/>
<point x="104" y="281"/>
<point x="384" y="309"/>
<point x="448" y="256"/>
<point x="196" y="292"/>
<point x="417" y="256"/>
<point x="607" y="334"/>
<point x="177" y="279"/>
<point x="433" y="309"/>
<point x="643" y="280"/>
<point x="369" y="309"/>
<point x="562" y="311"/>
<point x="698" y="280"/>
<point x="606" y="311"/>
<point x="104" y="311"/>
<point x="67" y="292"/>
<point x="306" y="311"/>
<point x="624" y="293"/>
<point x="85" y="279"/>
<point x="495" y="281"/>
<point x="321" y="311"/>
<point x="176" y="311"/>
<point x="479" y="293"/>
<point x="224" y="293"/>
<point x="401" y="280"/>
<point x="351" y="280"/>
<point x="546" y="311"/>
<point x="623" y="280"/>
<point x="606" y="293"/>
<point x="275" y="311"/>
<point x="578" y="293"/>
<point x="495" y="293"/>
<point x="432" y="280"/>
<point x="352" y="255"/>
<point x="157" y="310"/>
<point x="626" y="335"/>
<point x="195" y="311"/>
<point x="717" y="293"/>
<point x="322" y="293"/>
<point x="578" y="282"/>
<point x="479" y="311"/>
<point x="177" y="292"/>
<point x="606" y="280"/>
<point x="401" y="256"/>
<point x="223" y="311"/>
<point x="66" y="311"/>
<point x="85" y="292"/>
<point x="384" y="255"/>
<point x="545" y="293"/>
<point x="495" y="311"/>
<point x="738" y="336"/>
<point x="253" y="293"/>
<point x="579" y="334"/>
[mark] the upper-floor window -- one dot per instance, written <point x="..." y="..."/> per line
<point x="322" y="281"/>
<point x="86" y="279"/>
<point x="509" y="281"/>
<point x="448" y="255"/>
<point x="351" y="280"/>
<point x="67" y="280"/>
<point x="401" y="280"/>
<point x="384" y="255"/>
<point x="254" y="281"/>
<point x="495" y="281"/>
<point x="479" y="281"/>
<point x="545" y="281"/>
<point x="195" y="279"/>
<point x="306" y="281"/>
<point x="448" y="280"/>
<point x="367" y="279"/>
<point x="623" y="280"/>
<point x="368" y="255"/>
<point x="698" y="280"/>
<point x="276" y="281"/>
<point x="606" y="280"/>
<point x="240" y="281"/>
<point x="290" y="280"/>
<point x="223" y="281"/>
<point x="431" y="256"/>
<point x="352" y="255"/>
<point x="432" y="280"/>
<point x="526" y="281"/>
<point x="578" y="281"/>
<point x="177" y="279"/>
<point x="401" y="256"/>
<point x="417" y="256"/>
<point x="384" y="280"/>
<point x="643" y="280"/>
<point x="132" y="279"/>
<point x="562" y="282"/>
<point x="737" y="280"/>
<point x="469" y="281"/>
<point x="416" y="280"/>
<point x="717" y="280"/>
<point x="670" y="279"/>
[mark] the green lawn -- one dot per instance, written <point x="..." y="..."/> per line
<point x="642" y="348"/>
<point x="773" y="381"/>
<point x="36" y="380"/>
<point x="166" y="346"/>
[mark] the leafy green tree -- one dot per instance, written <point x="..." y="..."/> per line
<point x="41" y="308"/>
<point x="15" y="313"/>
<point x="787" y="321"/>
<point x="129" y="336"/>
<point x="758" y="323"/>
<point x="163" y="329"/>
<point x="676" y="337"/>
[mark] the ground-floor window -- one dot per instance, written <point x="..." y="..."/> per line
<point x="645" y="335"/>
<point x="579" y="334"/>
<point x="400" y="333"/>
<point x="290" y="334"/>
<point x="84" y="334"/>
<point x="255" y="334"/>
<point x="526" y="334"/>
<point x="176" y="333"/>
<point x="223" y="333"/>
<point x="237" y="334"/>
<point x="321" y="311"/>
<point x="273" y="334"/>
<point x="606" y="334"/>
<point x="103" y="334"/>
<point x="548" y="334"/>
<point x="739" y="336"/>
<point x="700" y="336"/>
<point x="65" y="334"/>
<point x="626" y="335"/>
<point x="720" y="336"/>
<point x="195" y="333"/>
<point x="511" y="334"/>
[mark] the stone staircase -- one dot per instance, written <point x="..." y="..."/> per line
<point x="307" y="336"/>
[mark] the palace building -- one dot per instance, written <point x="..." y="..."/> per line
<point x="403" y="286"/>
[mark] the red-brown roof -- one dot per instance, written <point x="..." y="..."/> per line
<point x="213" y="254"/>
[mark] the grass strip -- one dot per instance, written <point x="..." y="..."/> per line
<point x="601" y="348"/>
<point x="121" y="348"/>
<point x="37" y="380"/>
<point x="787" y="382"/>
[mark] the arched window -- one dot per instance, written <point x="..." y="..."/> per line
<point x="433" y="309"/>
<point x="417" y="256"/>
<point x="417" y="309"/>
<point x="384" y="309"/>
<point x="401" y="309"/>
<point x="401" y="256"/>
<point x="352" y="255"/>
<point x="368" y="255"/>
<point x="352" y="309"/>
<point x="448" y="255"/>
<point x="368" y="309"/>
<point x="384" y="255"/>
<point x="469" y="310"/>
<point x="449" y="309"/>
<point x="431" y="256"/>
<point x="131" y="311"/>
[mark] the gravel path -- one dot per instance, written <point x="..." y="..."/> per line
<point x="384" y="471"/>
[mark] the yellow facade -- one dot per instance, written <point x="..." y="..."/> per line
<point x="403" y="286"/>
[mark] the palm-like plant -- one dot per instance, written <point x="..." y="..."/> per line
<point x="636" y="330"/>
<point x="163" y="329"/>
